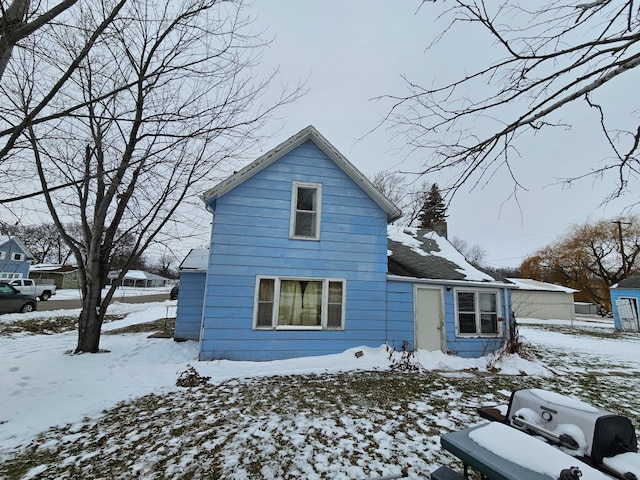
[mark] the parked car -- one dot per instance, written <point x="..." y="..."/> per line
<point x="12" y="301"/>
<point x="173" y="294"/>
<point x="28" y="286"/>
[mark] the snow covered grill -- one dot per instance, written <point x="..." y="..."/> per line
<point x="572" y="424"/>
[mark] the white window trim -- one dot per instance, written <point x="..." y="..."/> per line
<point x="276" y="304"/>
<point x="294" y="201"/>
<point x="478" y="333"/>
<point x="17" y="256"/>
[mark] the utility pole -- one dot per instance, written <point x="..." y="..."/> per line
<point x="624" y="258"/>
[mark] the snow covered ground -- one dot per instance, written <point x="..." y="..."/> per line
<point x="280" y="419"/>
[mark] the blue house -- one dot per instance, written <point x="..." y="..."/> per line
<point x="15" y="259"/>
<point x="301" y="264"/>
<point x="625" y="297"/>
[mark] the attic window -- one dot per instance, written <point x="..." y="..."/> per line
<point x="17" y="256"/>
<point x="305" y="211"/>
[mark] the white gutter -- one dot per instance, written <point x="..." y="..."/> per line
<point x="432" y="281"/>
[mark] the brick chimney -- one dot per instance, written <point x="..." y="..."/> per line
<point x="440" y="228"/>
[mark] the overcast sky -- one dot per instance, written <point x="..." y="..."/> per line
<point x="352" y="52"/>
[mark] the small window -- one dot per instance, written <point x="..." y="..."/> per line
<point x="305" y="210"/>
<point x="18" y="256"/>
<point x="477" y="313"/>
<point x="299" y="303"/>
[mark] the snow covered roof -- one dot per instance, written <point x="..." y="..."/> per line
<point x="529" y="284"/>
<point x="196" y="259"/>
<point x="52" y="267"/>
<point x="424" y="254"/>
<point x="137" y="275"/>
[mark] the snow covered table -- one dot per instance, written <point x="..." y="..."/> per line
<point x="500" y="452"/>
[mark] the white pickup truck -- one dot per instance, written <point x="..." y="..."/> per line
<point x="28" y="286"/>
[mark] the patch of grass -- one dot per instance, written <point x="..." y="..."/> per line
<point x="47" y="325"/>
<point x="290" y="427"/>
<point x="160" y="324"/>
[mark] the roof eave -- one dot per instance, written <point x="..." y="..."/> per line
<point x="308" y="133"/>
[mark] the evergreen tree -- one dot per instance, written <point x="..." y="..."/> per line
<point x="433" y="210"/>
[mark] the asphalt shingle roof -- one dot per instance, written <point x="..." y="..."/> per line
<point x="424" y="254"/>
<point x="630" y="282"/>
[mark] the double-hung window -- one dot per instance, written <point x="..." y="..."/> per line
<point x="477" y="312"/>
<point x="305" y="210"/>
<point x="299" y="303"/>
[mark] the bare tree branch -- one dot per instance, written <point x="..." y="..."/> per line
<point x="553" y="56"/>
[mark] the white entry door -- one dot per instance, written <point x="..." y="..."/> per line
<point x="428" y="318"/>
<point x="628" y="313"/>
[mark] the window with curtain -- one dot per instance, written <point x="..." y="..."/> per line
<point x="305" y="210"/>
<point x="477" y="312"/>
<point x="299" y="303"/>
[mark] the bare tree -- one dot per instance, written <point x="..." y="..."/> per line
<point x="407" y="195"/>
<point x="19" y="24"/>
<point x="590" y="257"/>
<point x="164" y="100"/>
<point x="475" y="254"/>
<point x="551" y="56"/>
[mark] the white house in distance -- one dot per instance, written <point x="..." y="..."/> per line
<point x="139" y="278"/>
<point x="534" y="299"/>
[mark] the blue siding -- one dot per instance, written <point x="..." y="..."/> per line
<point x="190" y="300"/>
<point x="250" y="237"/>
<point x="13" y="267"/>
<point x="400" y="328"/>
<point x="616" y="293"/>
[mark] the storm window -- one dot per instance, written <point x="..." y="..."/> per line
<point x="477" y="312"/>
<point x="305" y="210"/>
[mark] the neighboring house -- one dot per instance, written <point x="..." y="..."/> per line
<point x="625" y="297"/>
<point x="138" y="278"/>
<point x="14" y="258"/>
<point x="64" y="276"/>
<point x="300" y="264"/>
<point x="546" y="301"/>
<point x="193" y="272"/>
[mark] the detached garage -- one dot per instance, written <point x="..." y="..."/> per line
<point x="534" y="299"/>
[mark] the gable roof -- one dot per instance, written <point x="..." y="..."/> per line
<point x="535" y="285"/>
<point x="5" y="239"/>
<point x="423" y="254"/>
<point x="309" y="133"/>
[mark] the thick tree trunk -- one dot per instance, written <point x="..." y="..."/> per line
<point x="12" y="19"/>
<point x="90" y="321"/>
<point x="93" y="311"/>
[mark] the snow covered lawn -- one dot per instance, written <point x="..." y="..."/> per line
<point x="120" y="415"/>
